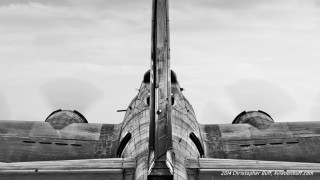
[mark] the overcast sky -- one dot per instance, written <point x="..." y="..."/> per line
<point x="229" y="56"/>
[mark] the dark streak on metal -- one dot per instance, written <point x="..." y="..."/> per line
<point x="160" y="78"/>
<point x="108" y="142"/>
<point x="214" y="142"/>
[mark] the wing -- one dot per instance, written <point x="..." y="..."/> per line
<point x="40" y="150"/>
<point x="210" y="168"/>
<point x="285" y="141"/>
<point x="111" y="168"/>
<point x="254" y="145"/>
<point x="23" y="141"/>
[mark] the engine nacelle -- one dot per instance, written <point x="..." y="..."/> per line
<point x="62" y="118"/>
<point x="258" y="119"/>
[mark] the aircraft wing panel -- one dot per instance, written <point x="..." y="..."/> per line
<point x="111" y="168"/>
<point x="211" y="168"/>
<point x="285" y="141"/>
<point x="39" y="141"/>
<point x="213" y="163"/>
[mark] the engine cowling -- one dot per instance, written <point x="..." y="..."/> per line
<point x="59" y="119"/>
<point x="258" y="119"/>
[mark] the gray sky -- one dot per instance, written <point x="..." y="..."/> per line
<point x="229" y="55"/>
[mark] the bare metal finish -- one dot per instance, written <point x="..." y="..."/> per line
<point x="160" y="142"/>
<point x="159" y="137"/>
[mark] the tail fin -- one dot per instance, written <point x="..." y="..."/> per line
<point x="160" y="139"/>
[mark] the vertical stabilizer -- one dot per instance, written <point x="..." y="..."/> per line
<point x="160" y="139"/>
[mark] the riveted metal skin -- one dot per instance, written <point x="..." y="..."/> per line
<point x="137" y="122"/>
<point x="154" y="137"/>
<point x="287" y="141"/>
<point x="23" y="141"/>
<point x="160" y="144"/>
<point x="62" y="118"/>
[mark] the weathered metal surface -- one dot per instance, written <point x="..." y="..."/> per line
<point x="136" y="122"/>
<point x="37" y="129"/>
<point x="160" y="120"/>
<point x="227" y="169"/>
<point x="160" y="133"/>
<point x="258" y="119"/>
<point x="65" y="176"/>
<point x="108" y="142"/>
<point x="160" y="92"/>
<point x="39" y="141"/>
<point x="236" y="164"/>
<point x="61" y="118"/>
<point x="296" y="142"/>
<point x="213" y="144"/>
<point x="217" y="175"/>
<point x="183" y="123"/>
<point x="110" y="163"/>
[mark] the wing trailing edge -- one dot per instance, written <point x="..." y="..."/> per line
<point x="109" y="163"/>
<point x="211" y="168"/>
<point x="111" y="168"/>
<point x="239" y="164"/>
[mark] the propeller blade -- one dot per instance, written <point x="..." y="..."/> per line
<point x="258" y="94"/>
<point x="70" y="93"/>
<point x="5" y="113"/>
<point x="215" y="113"/>
<point x="315" y="110"/>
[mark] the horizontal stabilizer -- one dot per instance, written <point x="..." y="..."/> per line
<point x="238" y="164"/>
<point x="230" y="169"/>
<point x="108" y="165"/>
